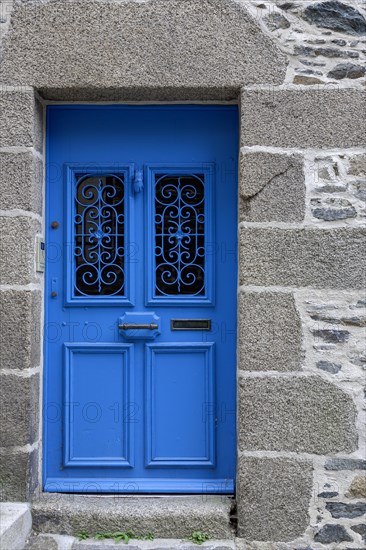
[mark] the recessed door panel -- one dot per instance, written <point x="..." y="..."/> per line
<point x="96" y="376"/>
<point x="140" y="318"/>
<point x="179" y="382"/>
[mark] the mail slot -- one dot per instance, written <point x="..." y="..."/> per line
<point x="190" y="324"/>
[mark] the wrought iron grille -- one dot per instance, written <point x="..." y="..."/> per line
<point x="179" y="235"/>
<point x="99" y="230"/>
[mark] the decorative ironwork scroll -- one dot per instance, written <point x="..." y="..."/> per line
<point x="179" y="235"/>
<point x="99" y="235"/>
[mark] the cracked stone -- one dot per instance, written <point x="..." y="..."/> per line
<point x="272" y="187"/>
<point x="336" y="16"/>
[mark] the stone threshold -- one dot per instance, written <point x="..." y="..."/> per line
<point x="60" y="542"/>
<point x="166" y="517"/>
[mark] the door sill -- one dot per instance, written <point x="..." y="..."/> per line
<point x="173" y="517"/>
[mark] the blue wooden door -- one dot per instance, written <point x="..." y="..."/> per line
<point x="141" y="278"/>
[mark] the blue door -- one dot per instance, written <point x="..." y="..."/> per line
<point x="141" y="278"/>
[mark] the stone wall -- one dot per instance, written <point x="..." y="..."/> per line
<point x="324" y="41"/>
<point x="302" y="185"/>
<point x="21" y="289"/>
<point x="302" y="321"/>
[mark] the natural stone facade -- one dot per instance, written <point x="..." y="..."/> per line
<point x="296" y="68"/>
<point x="324" y="41"/>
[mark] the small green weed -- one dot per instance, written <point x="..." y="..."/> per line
<point x="83" y="535"/>
<point x="118" y="536"/>
<point x="149" y="536"/>
<point x="198" y="537"/>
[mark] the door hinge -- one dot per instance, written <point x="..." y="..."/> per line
<point x="138" y="181"/>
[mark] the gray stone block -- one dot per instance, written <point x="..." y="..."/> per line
<point x="19" y="409"/>
<point x="42" y="542"/>
<point x="18" y="118"/>
<point x="15" y="525"/>
<point x="273" y="498"/>
<point x="361" y="530"/>
<point x="331" y="336"/>
<point x="328" y="366"/>
<point x="39" y="113"/>
<point x="269" y="332"/>
<point x="321" y="258"/>
<point x="157" y="44"/>
<point x="336" y="16"/>
<point x="174" y="517"/>
<point x="346" y="510"/>
<point x="19" y="475"/>
<point x="305" y="117"/>
<point x="243" y="544"/>
<point x="21" y="177"/>
<point x="302" y="414"/>
<point x="17" y="249"/>
<point x="20" y="315"/>
<point x="357" y="165"/>
<point x="337" y="464"/>
<point x="332" y="533"/>
<point x="143" y="94"/>
<point x="272" y="187"/>
<point x="347" y="70"/>
<point x="357" y="488"/>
